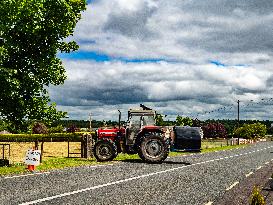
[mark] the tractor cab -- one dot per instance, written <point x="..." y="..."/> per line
<point x="138" y="119"/>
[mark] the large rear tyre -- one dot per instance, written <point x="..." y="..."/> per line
<point x="105" y="150"/>
<point x="153" y="149"/>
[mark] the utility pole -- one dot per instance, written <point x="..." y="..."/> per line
<point x="90" y="122"/>
<point x="238" y="115"/>
<point x="90" y="139"/>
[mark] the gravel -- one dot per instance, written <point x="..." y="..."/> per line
<point x="190" y="179"/>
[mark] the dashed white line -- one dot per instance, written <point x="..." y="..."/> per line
<point x="259" y="167"/>
<point x="247" y="175"/>
<point x="231" y="186"/>
<point x="266" y="163"/>
<point x="26" y="175"/>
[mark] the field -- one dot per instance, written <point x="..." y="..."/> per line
<point x="51" y="149"/>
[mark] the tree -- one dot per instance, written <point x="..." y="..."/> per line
<point x="31" y="34"/>
<point x="251" y="131"/>
<point x="214" y="130"/>
<point x="159" y="120"/>
<point x="183" y="121"/>
<point x="72" y="128"/>
<point x="39" y="128"/>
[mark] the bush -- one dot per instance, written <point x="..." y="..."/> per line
<point x="39" y="128"/>
<point x="57" y="129"/>
<point x="54" y="137"/>
<point x="256" y="197"/>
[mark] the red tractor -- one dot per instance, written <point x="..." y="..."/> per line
<point x="139" y="136"/>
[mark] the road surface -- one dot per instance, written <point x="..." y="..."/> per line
<point x="193" y="179"/>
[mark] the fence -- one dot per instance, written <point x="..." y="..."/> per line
<point x="51" y="147"/>
<point x="213" y="143"/>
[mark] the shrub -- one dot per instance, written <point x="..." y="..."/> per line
<point x="57" y="129"/>
<point x="256" y="197"/>
<point x="39" y="128"/>
<point x="54" y="137"/>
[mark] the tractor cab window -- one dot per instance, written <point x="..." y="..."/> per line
<point x="135" y="120"/>
<point x="148" y="120"/>
<point x="141" y="120"/>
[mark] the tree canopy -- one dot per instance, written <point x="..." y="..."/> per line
<point x="32" y="32"/>
<point x="251" y="131"/>
<point x="214" y="130"/>
<point x="183" y="121"/>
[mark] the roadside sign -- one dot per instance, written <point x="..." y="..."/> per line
<point x="33" y="157"/>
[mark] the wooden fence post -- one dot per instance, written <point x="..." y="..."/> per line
<point x="36" y="145"/>
<point x="86" y="146"/>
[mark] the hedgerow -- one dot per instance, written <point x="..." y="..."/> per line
<point x="51" y="137"/>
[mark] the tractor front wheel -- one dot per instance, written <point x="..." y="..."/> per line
<point x="105" y="150"/>
<point x="153" y="149"/>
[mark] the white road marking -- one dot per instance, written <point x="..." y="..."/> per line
<point x="125" y="180"/>
<point x="100" y="165"/>
<point x="100" y="186"/>
<point x="209" y="203"/>
<point x="233" y="185"/>
<point x="266" y="163"/>
<point x="259" y="167"/>
<point x="26" y="175"/>
<point x="247" y="175"/>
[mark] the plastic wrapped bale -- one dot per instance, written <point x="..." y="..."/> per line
<point x="187" y="138"/>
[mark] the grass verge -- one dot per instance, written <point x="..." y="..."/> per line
<point x="51" y="163"/>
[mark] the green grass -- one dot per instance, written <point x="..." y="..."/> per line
<point x="50" y="163"/>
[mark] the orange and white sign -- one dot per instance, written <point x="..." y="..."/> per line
<point x="33" y="157"/>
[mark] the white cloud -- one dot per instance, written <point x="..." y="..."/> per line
<point x="189" y="33"/>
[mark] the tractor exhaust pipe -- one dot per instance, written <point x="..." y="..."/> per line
<point x="119" y="118"/>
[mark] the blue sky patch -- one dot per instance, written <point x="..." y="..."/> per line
<point x="100" y="57"/>
<point x="218" y="63"/>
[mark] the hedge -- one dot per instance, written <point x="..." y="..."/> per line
<point x="53" y="137"/>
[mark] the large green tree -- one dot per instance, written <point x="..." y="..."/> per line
<point x="183" y="121"/>
<point x="32" y="32"/>
<point x="251" y="131"/>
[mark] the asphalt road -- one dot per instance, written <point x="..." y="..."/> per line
<point x="195" y="179"/>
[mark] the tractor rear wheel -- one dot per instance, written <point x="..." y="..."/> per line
<point x="105" y="150"/>
<point x="153" y="149"/>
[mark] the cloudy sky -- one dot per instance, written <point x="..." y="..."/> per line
<point x="181" y="57"/>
